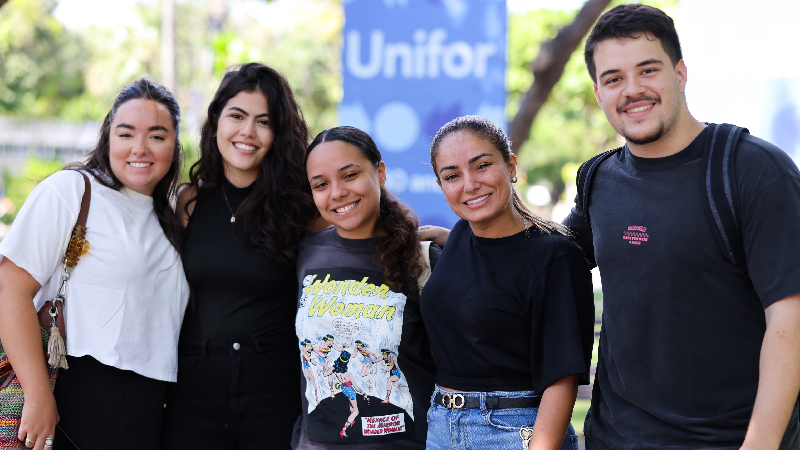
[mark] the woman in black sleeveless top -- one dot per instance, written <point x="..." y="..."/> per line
<point x="246" y="208"/>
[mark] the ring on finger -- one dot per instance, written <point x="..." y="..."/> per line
<point x="48" y="443"/>
<point x="28" y="441"/>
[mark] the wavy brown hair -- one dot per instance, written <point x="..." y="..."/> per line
<point x="398" y="247"/>
<point x="276" y="215"/>
<point x="99" y="165"/>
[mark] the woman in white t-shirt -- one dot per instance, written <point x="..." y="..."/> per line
<point x="126" y="297"/>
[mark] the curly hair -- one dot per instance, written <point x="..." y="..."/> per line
<point x="399" y="248"/>
<point x="280" y="208"/>
<point x="340" y="365"/>
<point x="99" y="165"/>
<point x="487" y="130"/>
<point x="631" y="21"/>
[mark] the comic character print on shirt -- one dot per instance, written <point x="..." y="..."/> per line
<point x="306" y="350"/>
<point x="344" y="314"/>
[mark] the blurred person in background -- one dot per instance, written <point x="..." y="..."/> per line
<point x="692" y="353"/>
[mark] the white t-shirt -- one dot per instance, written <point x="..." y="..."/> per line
<point x="126" y="297"/>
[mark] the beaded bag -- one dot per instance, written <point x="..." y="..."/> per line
<point x="53" y="332"/>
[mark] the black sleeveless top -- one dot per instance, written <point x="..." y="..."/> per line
<point x="239" y="292"/>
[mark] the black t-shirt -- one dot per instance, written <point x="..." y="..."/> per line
<point x="682" y="329"/>
<point x="239" y="292"/>
<point x="509" y="314"/>
<point x="363" y="333"/>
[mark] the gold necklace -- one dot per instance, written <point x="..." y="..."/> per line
<point x="233" y="214"/>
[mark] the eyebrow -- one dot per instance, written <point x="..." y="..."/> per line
<point x="343" y="168"/>
<point x="153" y="128"/>
<point x="236" y="108"/>
<point x="646" y="62"/>
<point x="472" y="160"/>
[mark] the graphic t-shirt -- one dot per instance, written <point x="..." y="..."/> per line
<point x="367" y="369"/>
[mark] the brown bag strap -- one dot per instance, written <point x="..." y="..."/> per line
<point x="87" y="198"/>
<point x="44" y="315"/>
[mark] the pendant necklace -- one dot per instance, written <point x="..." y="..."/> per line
<point x="233" y="214"/>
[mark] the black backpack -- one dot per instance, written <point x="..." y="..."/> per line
<point x="720" y="193"/>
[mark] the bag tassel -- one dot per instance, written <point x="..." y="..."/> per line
<point x="56" y="350"/>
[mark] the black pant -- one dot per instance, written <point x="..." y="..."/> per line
<point x="242" y="395"/>
<point x="103" y="407"/>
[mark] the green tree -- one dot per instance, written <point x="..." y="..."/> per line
<point x="19" y="186"/>
<point x="41" y="63"/>
<point x="569" y="127"/>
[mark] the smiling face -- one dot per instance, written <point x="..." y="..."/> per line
<point x="141" y="144"/>
<point x="244" y="136"/>
<point x="346" y="188"/>
<point x="476" y="182"/>
<point x="640" y="90"/>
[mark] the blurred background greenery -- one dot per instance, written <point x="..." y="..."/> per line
<point x="53" y="72"/>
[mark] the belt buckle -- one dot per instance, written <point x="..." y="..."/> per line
<point x="451" y="401"/>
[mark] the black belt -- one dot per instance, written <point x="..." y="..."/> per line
<point x="458" y="401"/>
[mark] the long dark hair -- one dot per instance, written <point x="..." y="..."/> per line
<point x="487" y="130"/>
<point x="276" y="215"/>
<point x="99" y="165"/>
<point x="399" y="250"/>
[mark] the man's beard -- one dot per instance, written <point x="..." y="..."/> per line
<point x="648" y="138"/>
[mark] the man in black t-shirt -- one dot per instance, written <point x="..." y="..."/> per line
<point x="692" y="354"/>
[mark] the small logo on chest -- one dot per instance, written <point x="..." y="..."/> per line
<point x="635" y="235"/>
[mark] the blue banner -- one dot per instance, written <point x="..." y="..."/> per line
<point x="410" y="66"/>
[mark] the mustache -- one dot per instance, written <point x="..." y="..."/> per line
<point x="650" y="98"/>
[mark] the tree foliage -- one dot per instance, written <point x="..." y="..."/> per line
<point x="570" y="127"/>
<point x="41" y="63"/>
<point x="47" y="70"/>
<point x="20" y="185"/>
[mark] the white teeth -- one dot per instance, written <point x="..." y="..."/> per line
<point x="346" y="208"/>
<point x="246" y="147"/>
<point x="477" y="199"/>
<point x="136" y="164"/>
<point x="640" y="109"/>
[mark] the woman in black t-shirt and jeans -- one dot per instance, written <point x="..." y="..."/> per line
<point x="509" y="308"/>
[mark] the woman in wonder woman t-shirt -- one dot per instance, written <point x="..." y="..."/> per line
<point x="359" y="287"/>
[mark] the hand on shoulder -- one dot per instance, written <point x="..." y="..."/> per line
<point x="433" y="233"/>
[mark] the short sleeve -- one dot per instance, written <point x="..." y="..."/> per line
<point x="434" y="252"/>
<point x="768" y="183"/>
<point x="772" y="239"/>
<point x="39" y="234"/>
<point x="563" y="331"/>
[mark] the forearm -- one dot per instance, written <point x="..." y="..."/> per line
<point x="779" y="376"/>
<point x="20" y="331"/>
<point x="22" y="341"/>
<point x="554" y="415"/>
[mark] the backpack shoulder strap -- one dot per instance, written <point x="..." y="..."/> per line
<point x="584" y="179"/>
<point x="719" y="180"/>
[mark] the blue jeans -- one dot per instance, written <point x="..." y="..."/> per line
<point x="482" y="428"/>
